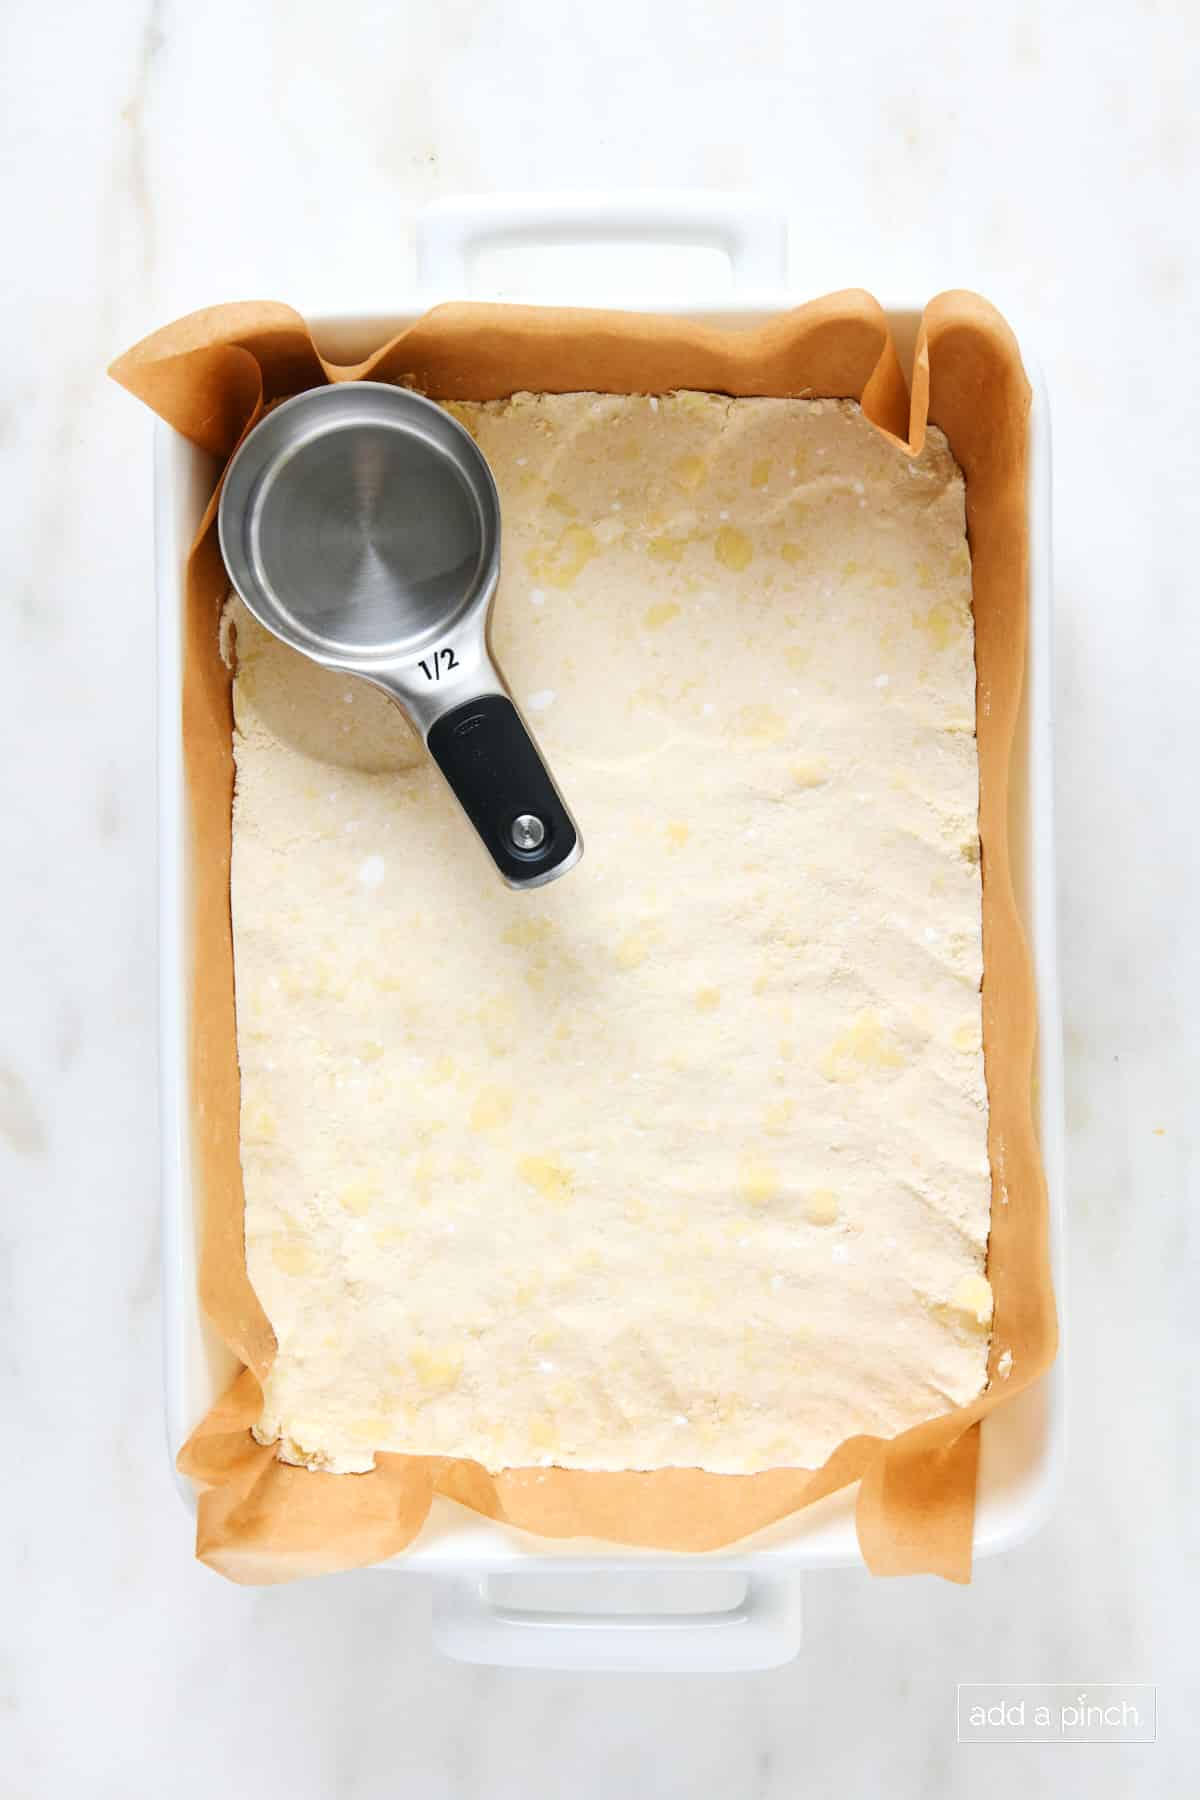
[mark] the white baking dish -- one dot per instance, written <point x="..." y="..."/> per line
<point x="1022" y="1447"/>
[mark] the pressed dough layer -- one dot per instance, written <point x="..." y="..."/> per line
<point x="683" y="1158"/>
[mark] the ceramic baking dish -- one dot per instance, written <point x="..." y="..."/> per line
<point x="621" y="1605"/>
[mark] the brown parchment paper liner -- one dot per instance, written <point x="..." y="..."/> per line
<point x="210" y="375"/>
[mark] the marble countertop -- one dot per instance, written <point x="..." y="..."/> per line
<point x="158" y="158"/>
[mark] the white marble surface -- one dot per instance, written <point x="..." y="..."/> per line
<point x="157" y="157"/>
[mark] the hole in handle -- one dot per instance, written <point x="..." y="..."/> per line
<point x="621" y="1594"/>
<point x="598" y="272"/>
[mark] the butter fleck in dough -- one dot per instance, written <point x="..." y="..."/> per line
<point x="683" y="1159"/>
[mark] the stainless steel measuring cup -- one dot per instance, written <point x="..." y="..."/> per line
<point x="360" y="523"/>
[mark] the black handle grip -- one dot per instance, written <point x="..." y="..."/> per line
<point x="492" y="763"/>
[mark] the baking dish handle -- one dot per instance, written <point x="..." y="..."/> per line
<point x="761" y="1632"/>
<point x="750" y="231"/>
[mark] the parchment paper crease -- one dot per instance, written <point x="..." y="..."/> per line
<point x="210" y="375"/>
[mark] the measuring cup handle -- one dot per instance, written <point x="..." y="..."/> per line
<point x="491" y="762"/>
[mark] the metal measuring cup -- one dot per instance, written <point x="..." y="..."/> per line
<point x="361" y="525"/>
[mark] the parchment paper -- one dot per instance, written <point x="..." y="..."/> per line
<point x="210" y="375"/>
